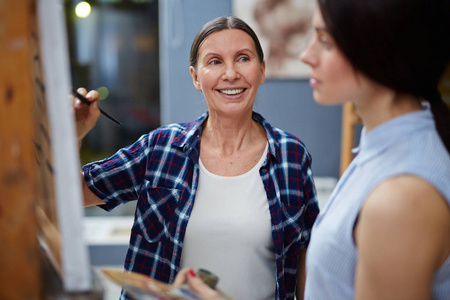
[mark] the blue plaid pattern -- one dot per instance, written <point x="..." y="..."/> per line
<point x="160" y="171"/>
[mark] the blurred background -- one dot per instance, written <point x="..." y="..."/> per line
<point x="114" y="48"/>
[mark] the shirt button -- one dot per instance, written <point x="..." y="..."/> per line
<point x="264" y="171"/>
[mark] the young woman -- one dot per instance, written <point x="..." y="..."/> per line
<point x="227" y="192"/>
<point x="385" y="232"/>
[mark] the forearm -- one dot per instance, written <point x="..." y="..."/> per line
<point x="89" y="198"/>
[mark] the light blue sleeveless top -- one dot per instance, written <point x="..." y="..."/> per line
<point x="408" y="144"/>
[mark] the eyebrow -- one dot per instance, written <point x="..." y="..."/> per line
<point x="213" y="53"/>
<point x="321" y="29"/>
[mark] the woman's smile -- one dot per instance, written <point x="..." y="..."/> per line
<point x="232" y="92"/>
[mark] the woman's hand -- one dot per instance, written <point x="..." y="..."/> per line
<point x="188" y="276"/>
<point x="86" y="116"/>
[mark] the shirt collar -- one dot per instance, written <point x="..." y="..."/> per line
<point x="273" y="149"/>
<point x="386" y="134"/>
<point x="193" y="131"/>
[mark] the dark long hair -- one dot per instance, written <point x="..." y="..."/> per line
<point x="402" y="44"/>
<point x="219" y="24"/>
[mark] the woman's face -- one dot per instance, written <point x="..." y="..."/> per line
<point x="228" y="72"/>
<point x="333" y="78"/>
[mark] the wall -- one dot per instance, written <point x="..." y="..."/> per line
<point x="287" y="104"/>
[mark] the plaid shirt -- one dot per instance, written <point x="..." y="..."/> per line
<point x="161" y="172"/>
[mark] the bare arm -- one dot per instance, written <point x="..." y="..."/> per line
<point x="301" y="275"/>
<point x="90" y="199"/>
<point x="86" y="117"/>
<point x="403" y="237"/>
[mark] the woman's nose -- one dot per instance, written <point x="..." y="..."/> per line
<point x="307" y="55"/>
<point x="231" y="72"/>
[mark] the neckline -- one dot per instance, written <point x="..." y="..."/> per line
<point x="255" y="167"/>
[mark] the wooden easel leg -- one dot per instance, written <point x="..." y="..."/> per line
<point x="349" y="120"/>
<point x="19" y="251"/>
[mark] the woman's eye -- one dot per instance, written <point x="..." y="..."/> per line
<point x="214" y="62"/>
<point x="244" y="59"/>
<point x="325" y="41"/>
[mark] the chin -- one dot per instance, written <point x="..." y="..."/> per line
<point x="326" y="101"/>
<point x="321" y="100"/>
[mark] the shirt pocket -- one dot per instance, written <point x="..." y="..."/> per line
<point x="154" y="212"/>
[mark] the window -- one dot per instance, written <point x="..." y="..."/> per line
<point x="115" y="50"/>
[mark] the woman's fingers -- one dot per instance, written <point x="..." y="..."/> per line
<point x="86" y="116"/>
<point x="188" y="276"/>
<point x="181" y="277"/>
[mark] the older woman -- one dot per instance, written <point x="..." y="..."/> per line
<point x="226" y="192"/>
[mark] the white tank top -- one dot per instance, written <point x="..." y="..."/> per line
<point x="229" y="233"/>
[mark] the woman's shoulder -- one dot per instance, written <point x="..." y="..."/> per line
<point x="423" y="156"/>
<point x="405" y="198"/>
<point x="169" y="128"/>
<point x="176" y="131"/>
<point x="402" y="192"/>
<point x="289" y="143"/>
<point x="405" y="209"/>
<point x="402" y="217"/>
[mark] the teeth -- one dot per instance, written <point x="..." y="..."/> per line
<point x="232" y="92"/>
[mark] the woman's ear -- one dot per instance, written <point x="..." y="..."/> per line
<point x="263" y="71"/>
<point x="195" y="78"/>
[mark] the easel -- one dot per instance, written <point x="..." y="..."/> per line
<point x="19" y="254"/>
<point x="38" y="169"/>
<point x="349" y="120"/>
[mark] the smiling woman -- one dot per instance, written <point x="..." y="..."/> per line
<point x="205" y="189"/>
<point x="229" y="77"/>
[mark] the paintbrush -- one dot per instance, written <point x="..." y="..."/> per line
<point x="86" y="101"/>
